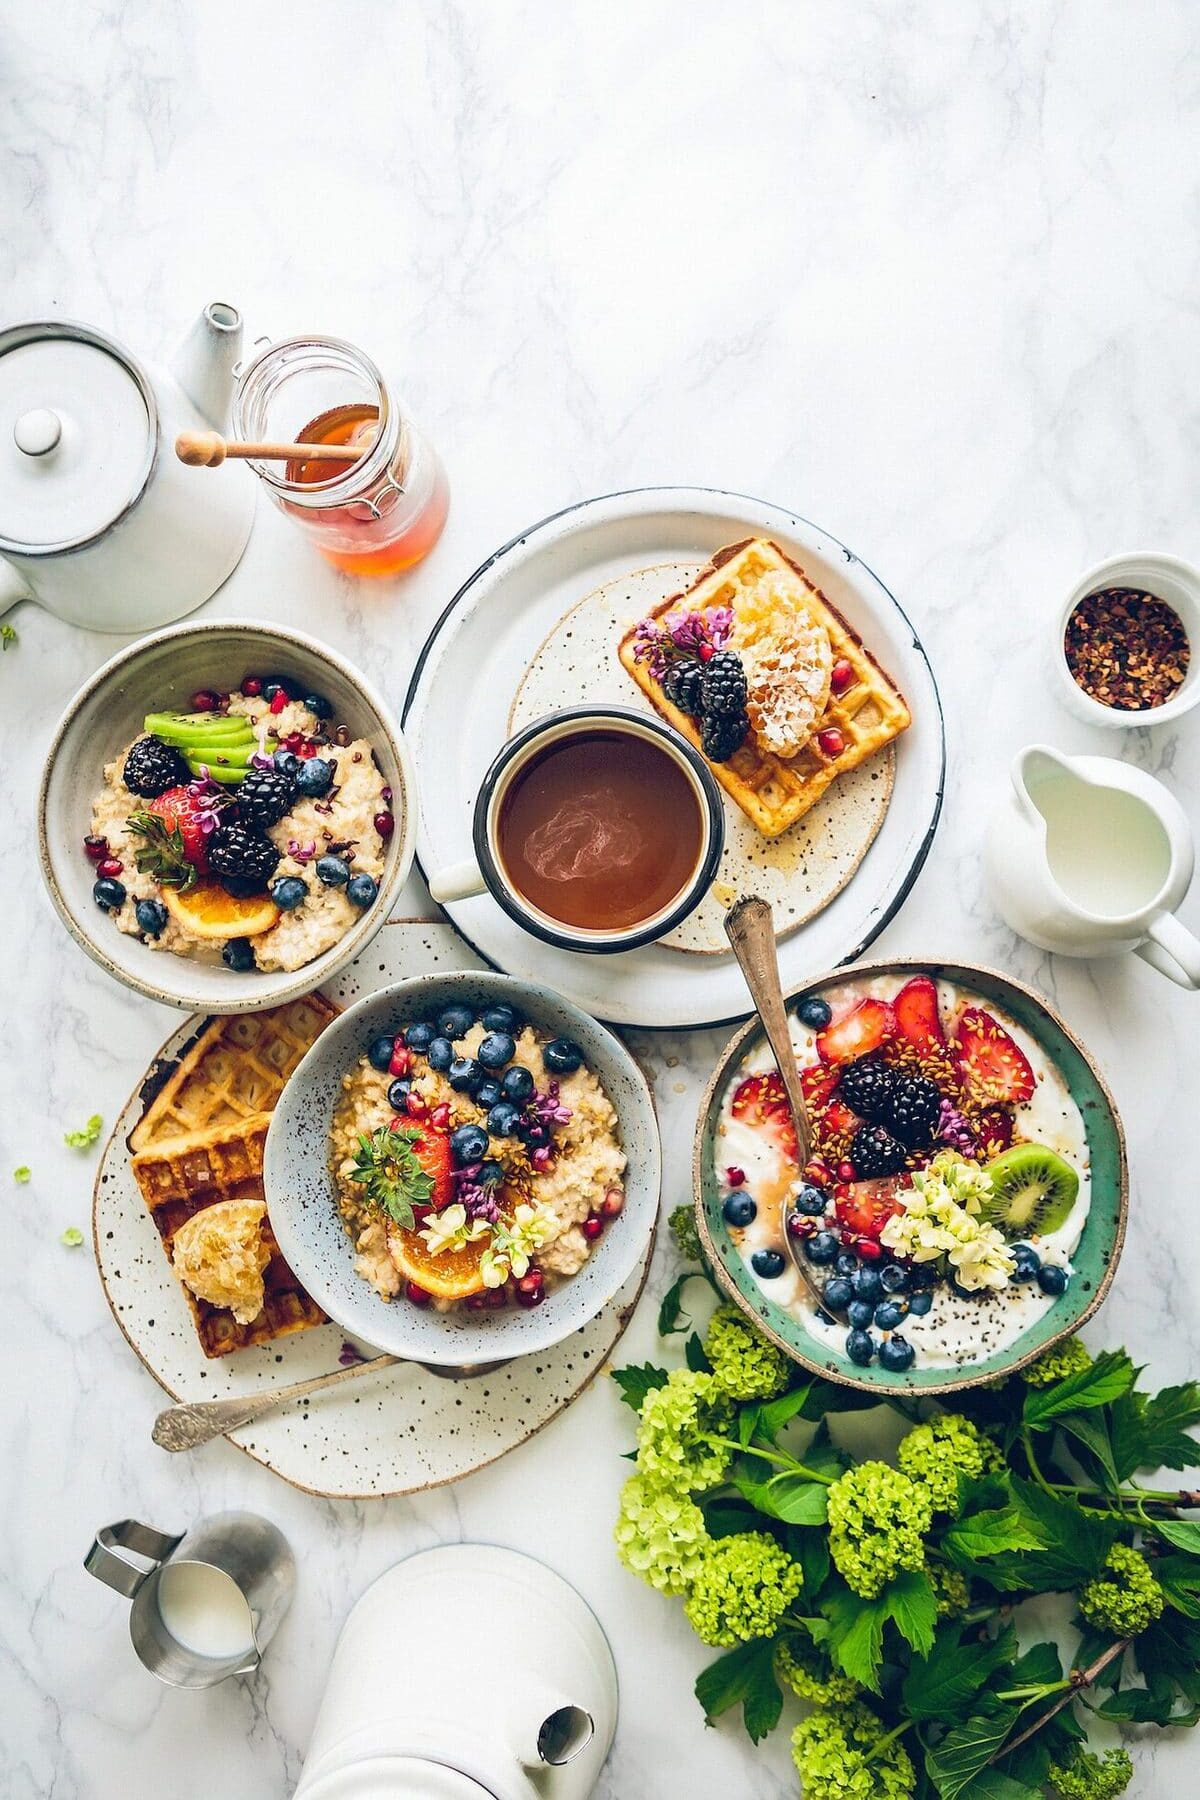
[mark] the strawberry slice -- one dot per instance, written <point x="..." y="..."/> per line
<point x="818" y="1084"/>
<point x="866" y="1206"/>
<point x="761" y="1103"/>
<point x="833" y="1127"/>
<point x="993" y="1132"/>
<point x="857" y="1033"/>
<point x="993" y="1070"/>
<point x="917" y="1015"/>
<point x="432" y="1151"/>
<point x="180" y="811"/>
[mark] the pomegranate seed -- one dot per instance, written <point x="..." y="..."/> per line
<point x="846" y="1236"/>
<point x="841" y="676"/>
<point x="417" y="1108"/>
<point x="530" y="1281"/>
<point x="705" y="653"/>
<point x="819" y="1173"/>
<point x="306" y="750"/>
<point x="387" y="795"/>
<point x="735" y="1177"/>
<point x="401" y="1061"/>
<point x="496" y="1298"/>
<point x="440" y="1116"/>
<point x="110" y="866"/>
<point x="252" y="686"/>
<point x="800" y="1225"/>
<point x="869" y="1249"/>
<point x="204" y="700"/>
<point x="279" y="702"/>
<point x="293" y="741"/>
<point x="831" y="742"/>
<point x="95" y="848"/>
<point x="845" y="1171"/>
<point x="418" y="1295"/>
<point x="476" y="1302"/>
<point x="530" y="1297"/>
<point x="385" y="824"/>
<point x="613" y="1204"/>
<point x="593" y="1225"/>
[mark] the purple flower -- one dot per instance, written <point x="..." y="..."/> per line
<point x="348" y="1355"/>
<point x="952" y="1129"/>
<point x="479" y="1197"/>
<point x="259" y="761"/>
<point x="208" y="800"/>
<point x="690" y="631"/>
<point x="547" y="1108"/>
<point x="301" y="852"/>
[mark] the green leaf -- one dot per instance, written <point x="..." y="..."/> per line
<point x="968" y="1748"/>
<point x="792" y="1498"/>
<point x="1111" y="1375"/>
<point x="636" y="1381"/>
<point x="746" y="1674"/>
<point x="1150" y="1431"/>
<point x="1029" y="1764"/>
<point x="992" y="1784"/>
<point x="953" y="1672"/>
<point x="1183" y="1533"/>
<point x="1075" y="1545"/>
<point x="747" y="1422"/>
<point x="855" y="1635"/>
<point x="1091" y="1430"/>
<point x="775" y="1414"/>
<point x="693" y="1355"/>
<point x="822" y="1455"/>
<point x="811" y="1550"/>
<point x="671" y="1316"/>
<point x="391" y="1176"/>
<point x="724" y="1517"/>
<point x="1169" y="1651"/>
<point x="910" y="1604"/>
<point x="1038" y="1667"/>
<point x="1179" y="1578"/>
<point x="1146" y="1706"/>
<point x="991" y="1533"/>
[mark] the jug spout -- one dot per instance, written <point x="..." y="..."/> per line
<point x="205" y="362"/>
<point x="1033" y="769"/>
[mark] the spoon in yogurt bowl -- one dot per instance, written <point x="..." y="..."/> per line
<point x="750" y="929"/>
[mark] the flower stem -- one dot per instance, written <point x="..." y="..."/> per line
<point x="773" y="1456"/>
<point x="1076" y="1682"/>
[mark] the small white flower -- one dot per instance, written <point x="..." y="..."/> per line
<point x="452" y="1230"/>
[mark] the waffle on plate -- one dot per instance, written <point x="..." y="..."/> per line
<point x="856" y="715"/>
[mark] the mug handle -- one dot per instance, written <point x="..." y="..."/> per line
<point x="460" y="881"/>
<point x="105" y="1562"/>
<point x="1172" y="950"/>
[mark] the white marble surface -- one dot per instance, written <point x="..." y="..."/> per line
<point x="926" y="274"/>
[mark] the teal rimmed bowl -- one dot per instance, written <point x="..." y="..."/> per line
<point x="1095" y="1260"/>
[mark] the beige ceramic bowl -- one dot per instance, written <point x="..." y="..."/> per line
<point x="159" y="673"/>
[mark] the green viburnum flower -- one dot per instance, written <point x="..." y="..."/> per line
<point x="838" y="1757"/>
<point x="22" y="1175"/>
<point x="87" y="1134"/>
<point x="877" y="1520"/>
<point x="801" y="1666"/>
<point x="683" y="1229"/>
<point x="660" y="1535"/>
<point x="745" y="1366"/>
<point x="1127" y="1604"/>
<point x="1068" y="1358"/>
<point x="951" y="1590"/>
<point x="1092" y="1777"/>
<point x="677" y="1419"/>
<point x="936" y="1454"/>
<point x="743" y="1587"/>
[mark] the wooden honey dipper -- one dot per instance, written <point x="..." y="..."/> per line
<point x="208" y="450"/>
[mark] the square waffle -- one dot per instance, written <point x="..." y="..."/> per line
<point x="772" y="791"/>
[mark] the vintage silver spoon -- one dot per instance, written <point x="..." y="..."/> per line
<point x="751" y="930"/>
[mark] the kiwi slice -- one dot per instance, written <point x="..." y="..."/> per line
<point x="195" y="728"/>
<point x="1033" y="1190"/>
<point x="227" y="777"/>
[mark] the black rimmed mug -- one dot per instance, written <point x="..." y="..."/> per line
<point x="484" y="872"/>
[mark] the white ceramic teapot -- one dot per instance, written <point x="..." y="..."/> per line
<point x="99" y="521"/>
<point x="1088" y="856"/>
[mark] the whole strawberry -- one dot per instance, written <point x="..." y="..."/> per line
<point x="174" y="829"/>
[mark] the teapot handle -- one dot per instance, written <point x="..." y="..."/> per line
<point x="1173" y="951"/>
<point x="105" y="1562"/>
<point x="13" y="587"/>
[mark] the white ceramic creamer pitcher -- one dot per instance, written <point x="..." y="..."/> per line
<point x="1088" y="856"/>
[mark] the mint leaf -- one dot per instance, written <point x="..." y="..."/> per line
<point x="1111" y="1375"/>
<point x="635" y="1382"/>
<point x="746" y="1674"/>
<point x="792" y="1498"/>
<point x="938" y="1684"/>
<point x="855" y="1635"/>
<point x="968" y="1748"/>
<point x="911" y="1606"/>
<point x="1150" y="1431"/>
<point x="991" y="1533"/>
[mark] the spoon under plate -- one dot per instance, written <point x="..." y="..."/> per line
<point x="751" y="930"/>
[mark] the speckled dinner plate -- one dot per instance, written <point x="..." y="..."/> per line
<point x="398" y="1432"/>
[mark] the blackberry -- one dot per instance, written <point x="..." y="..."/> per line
<point x="682" y="685"/>
<point x="152" y="767"/>
<point x="264" y="796"/>
<point x="867" y="1088"/>
<point x="242" y="856"/>
<point x="722" y="734"/>
<point x="912" y="1111"/>
<point x="723" y="684"/>
<point x="875" y="1152"/>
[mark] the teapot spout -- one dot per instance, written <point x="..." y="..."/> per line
<point x="205" y="361"/>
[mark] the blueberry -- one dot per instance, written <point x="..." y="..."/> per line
<point x="317" y="703"/>
<point x="491" y="1173"/>
<point x="289" y="892"/>
<point x="860" y="1347"/>
<point x="740" y="1207"/>
<point x="379" y="1053"/>
<point x="822" y="1247"/>
<point x="455" y="1021"/>
<point x="923" y="1275"/>
<point x="838" y="1292"/>
<point x="770" y="1264"/>
<point x="314" y="777"/>
<point x="811" y="1200"/>
<point x="468" y="1144"/>
<point x="846" y="1263"/>
<point x="287" y="762"/>
<point x="561" y="1056"/>
<point x="499" y="1018"/>
<point x="814" y="1013"/>
<point x="152" y="917"/>
<point x="361" y="890"/>
<point x="890" y="1313"/>
<point x="334" y="871"/>
<point x="919" y="1304"/>
<point x="1052" y="1279"/>
<point x="464" y="1072"/>
<point x="238" y="955"/>
<point x="486" y="1094"/>
<point x="867" y="1285"/>
<point x="398" y="1094"/>
<point x="516" y="1084"/>
<point x="497" y="1050"/>
<point x="419" y="1036"/>
<point x="440" y="1054"/>
<point x="108" y="894"/>
<point x="503" y="1119"/>
<point x="896" y="1354"/>
<point x="860" y="1314"/>
<point x="1027" y="1262"/>
<point x="894" y="1278"/>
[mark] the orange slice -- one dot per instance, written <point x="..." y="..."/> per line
<point x="208" y="911"/>
<point x="451" y="1275"/>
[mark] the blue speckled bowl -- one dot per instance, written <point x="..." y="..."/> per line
<point x="1099" y="1248"/>
<point x="303" y="1208"/>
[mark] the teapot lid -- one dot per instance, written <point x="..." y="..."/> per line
<point x="78" y="436"/>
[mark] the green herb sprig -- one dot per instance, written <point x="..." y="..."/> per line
<point x="162" y="852"/>
<point x="392" y="1179"/>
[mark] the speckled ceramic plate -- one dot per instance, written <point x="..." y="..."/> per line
<point x="1095" y="1260"/>
<point x="394" y="1433"/>
<point x="493" y="630"/>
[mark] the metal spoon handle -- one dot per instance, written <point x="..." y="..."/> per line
<point x="751" y="930"/>
<point x="191" y="1424"/>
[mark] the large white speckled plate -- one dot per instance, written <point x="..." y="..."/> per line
<point x="394" y="1433"/>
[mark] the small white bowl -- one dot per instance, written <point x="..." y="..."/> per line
<point x="158" y="674"/>
<point x="302" y="1200"/>
<point x="1168" y="578"/>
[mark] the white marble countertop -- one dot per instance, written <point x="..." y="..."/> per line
<point x="927" y="275"/>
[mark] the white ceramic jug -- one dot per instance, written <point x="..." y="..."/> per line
<point x="100" y="522"/>
<point x="1088" y="856"/>
<point x="465" y="1673"/>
